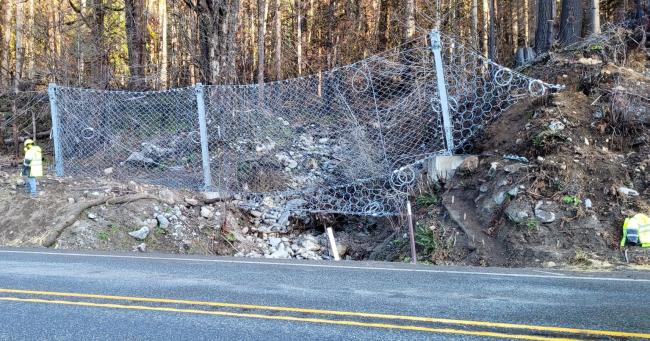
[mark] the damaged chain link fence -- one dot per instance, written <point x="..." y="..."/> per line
<point x="352" y="140"/>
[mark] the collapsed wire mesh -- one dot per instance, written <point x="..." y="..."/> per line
<point x="352" y="140"/>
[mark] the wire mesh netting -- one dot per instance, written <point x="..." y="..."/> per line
<point x="352" y="140"/>
<point x="28" y="112"/>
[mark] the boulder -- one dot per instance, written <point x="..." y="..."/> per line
<point x="519" y="211"/>
<point x="207" y="212"/>
<point x="544" y="211"/>
<point x="274" y="242"/>
<point x="138" y="159"/>
<point x="310" y="243"/>
<point x="469" y="165"/>
<point x="140" y="234"/>
<point x="163" y="222"/>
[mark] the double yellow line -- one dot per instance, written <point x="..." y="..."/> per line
<point x="462" y="323"/>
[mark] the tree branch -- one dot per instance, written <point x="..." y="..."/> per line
<point x="53" y="234"/>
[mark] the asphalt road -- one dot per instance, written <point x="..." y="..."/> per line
<point x="51" y="295"/>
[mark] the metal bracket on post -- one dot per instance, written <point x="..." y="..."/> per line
<point x="56" y="133"/>
<point x="436" y="47"/>
<point x="203" y="130"/>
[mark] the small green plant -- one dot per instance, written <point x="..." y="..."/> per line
<point x="427" y="239"/>
<point x="230" y="237"/>
<point x="103" y="235"/>
<point x="596" y="47"/>
<point x="572" y="200"/>
<point x="531" y="224"/>
<point x="426" y="200"/>
<point x="159" y="231"/>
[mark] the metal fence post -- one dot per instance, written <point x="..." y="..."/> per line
<point x="436" y="47"/>
<point x="56" y="132"/>
<point x="203" y="130"/>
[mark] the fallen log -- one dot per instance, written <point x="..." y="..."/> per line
<point x="23" y="138"/>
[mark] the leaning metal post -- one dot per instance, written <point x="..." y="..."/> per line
<point x="203" y="129"/>
<point x="436" y="47"/>
<point x="56" y="133"/>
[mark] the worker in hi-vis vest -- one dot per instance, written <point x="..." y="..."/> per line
<point x="32" y="165"/>
<point x="636" y="231"/>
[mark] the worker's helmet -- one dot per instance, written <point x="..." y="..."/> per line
<point x="28" y="142"/>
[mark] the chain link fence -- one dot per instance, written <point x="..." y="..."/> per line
<point x="352" y="140"/>
<point x="25" y="114"/>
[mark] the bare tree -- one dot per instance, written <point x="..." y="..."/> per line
<point x="277" y="33"/>
<point x="29" y="53"/>
<point x="382" y="25"/>
<point x="474" y="27"/>
<point x="492" y="38"/>
<point x="218" y="20"/>
<point x="298" y="9"/>
<point x="593" y="17"/>
<point x="261" y="39"/>
<point x="486" y="21"/>
<point x="19" y="44"/>
<point x="162" y="12"/>
<point x="136" y="39"/>
<point x="570" y="22"/>
<point x="98" y="54"/>
<point x="6" y="43"/>
<point x="544" y="34"/>
<point x="409" y="20"/>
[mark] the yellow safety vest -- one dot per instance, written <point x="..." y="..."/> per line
<point x="35" y="156"/>
<point x="636" y="230"/>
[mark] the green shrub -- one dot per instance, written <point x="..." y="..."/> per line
<point x="426" y="239"/>
<point x="426" y="200"/>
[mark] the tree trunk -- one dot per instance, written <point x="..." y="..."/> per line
<point x="261" y="40"/>
<point x="29" y="53"/>
<point x="409" y="20"/>
<point x="164" y="78"/>
<point x="17" y="72"/>
<point x="382" y="25"/>
<point x="298" y="9"/>
<point x="592" y="20"/>
<point x="486" y="20"/>
<point x="570" y="22"/>
<point x="99" y="61"/>
<point x="544" y="34"/>
<point x="136" y="40"/>
<point x="438" y="18"/>
<point x="474" y="28"/>
<point x="522" y="39"/>
<point x="218" y="21"/>
<point x="19" y="44"/>
<point x="277" y="33"/>
<point x="514" y="25"/>
<point x="492" y="39"/>
<point x="6" y="56"/>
